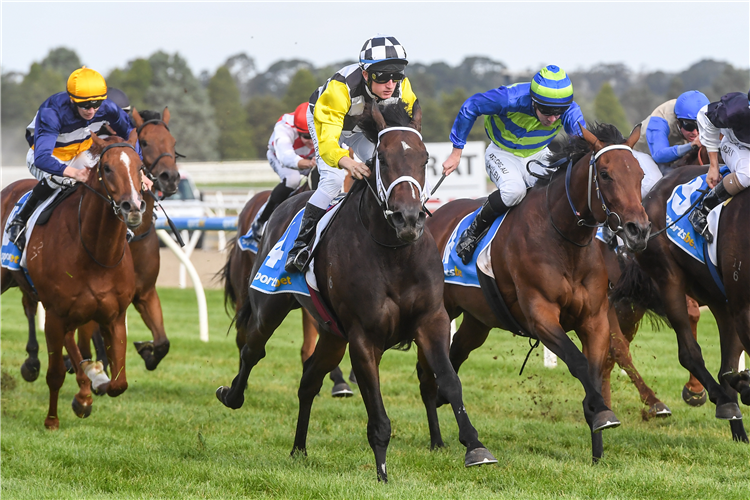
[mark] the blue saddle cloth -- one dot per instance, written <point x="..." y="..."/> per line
<point x="272" y="277"/>
<point x="682" y="232"/>
<point x="10" y="255"/>
<point x="455" y="271"/>
<point x="246" y="242"/>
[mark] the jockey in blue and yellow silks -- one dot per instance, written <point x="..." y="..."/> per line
<point x="60" y="138"/>
<point x="520" y="120"/>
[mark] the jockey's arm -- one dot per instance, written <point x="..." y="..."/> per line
<point x="329" y="113"/>
<point x="710" y="135"/>
<point x="657" y="137"/>
<point x="573" y="120"/>
<point x="120" y="123"/>
<point x="283" y="144"/>
<point x="47" y="129"/>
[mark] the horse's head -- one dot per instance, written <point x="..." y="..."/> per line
<point x="157" y="146"/>
<point x="399" y="172"/>
<point x="618" y="176"/>
<point x="118" y="176"/>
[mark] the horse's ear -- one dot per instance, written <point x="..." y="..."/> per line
<point x="377" y="116"/>
<point x="416" y="116"/>
<point x="634" y="136"/>
<point x="137" y="118"/>
<point x="165" y="116"/>
<point x="99" y="142"/>
<point x="590" y="138"/>
<point x="133" y="138"/>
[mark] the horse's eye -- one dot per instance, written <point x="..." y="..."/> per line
<point x="106" y="168"/>
<point x="605" y="176"/>
<point x="143" y="143"/>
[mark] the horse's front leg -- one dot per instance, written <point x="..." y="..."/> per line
<point x="115" y="343"/>
<point x="149" y="306"/>
<point x="731" y="349"/>
<point x="82" y="401"/>
<point x="327" y="355"/>
<point x="433" y="337"/>
<point x="428" y="392"/>
<point x="54" y="332"/>
<point x="31" y="366"/>
<point x="694" y="393"/>
<point x="365" y="362"/>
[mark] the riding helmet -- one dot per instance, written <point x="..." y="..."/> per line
<point x="551" y="87"/>
<point x="689" y="103"/>
<point x="300" y="118"/>
<point x="383" y="53"/>
<point x="85" y="84"/>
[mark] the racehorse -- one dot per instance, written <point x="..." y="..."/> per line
<point x="392" y="301"/>
<point x="159" y="160"/>
<point x="237" y="273"/>
<point x="550" y="276"/>
<point x="625" y="320"/>
<point x="663" y="274"/>
<point x="80" y="267"/>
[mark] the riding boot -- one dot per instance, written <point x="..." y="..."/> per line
<point x="17" y="227"/>
<point x="469" y="239"/>
<point x="300" y="252"/>
<point x="280" y="193"/>
<point x="699" y="217"/>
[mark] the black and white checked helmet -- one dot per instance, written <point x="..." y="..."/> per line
<point x="380" y="49"/>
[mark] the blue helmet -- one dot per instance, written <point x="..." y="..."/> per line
<point x="689" y="103"/>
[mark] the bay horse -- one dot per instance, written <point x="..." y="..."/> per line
<point x="393" y="300"/>
<point x="663" y="274"/>
<point x="159" y="160"/>
<point x="550" y="276"/>
<point x="80" y="266"/>
<point x="624" y="321"/>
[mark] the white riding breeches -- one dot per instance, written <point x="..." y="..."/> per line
<point x="509" y="173"/>
<point x="651" y="172"/>
<point x="291" y="176"/>
<point x="737" y="158"/>
<point x="82" y="160"/>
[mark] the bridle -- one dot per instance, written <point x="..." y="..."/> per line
<point x="149" y="170"/>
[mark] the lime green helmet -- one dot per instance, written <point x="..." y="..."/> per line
<point x="551" y="88"/>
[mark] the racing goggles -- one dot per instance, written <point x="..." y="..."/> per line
<point x="303" y="135"/>
<point x="688" y="125"/>
<point x="387" y="76"/>
<point x="551" y="110"/>
<point x="95" y="104"/>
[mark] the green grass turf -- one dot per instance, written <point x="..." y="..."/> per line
<point x="168" y="437"/>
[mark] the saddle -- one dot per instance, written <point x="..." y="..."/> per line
<point x="47" y="212"/>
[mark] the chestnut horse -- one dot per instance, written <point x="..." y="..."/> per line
<point x="159" y="159"/>
<point x="663" y="274"/>
<point x="81" y="268"/>
<point x="393" y="300"/>
<point x="548" y="273"/>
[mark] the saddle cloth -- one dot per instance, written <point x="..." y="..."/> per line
<point x="272" y="277"/>
<point x="246" y="242"/>
<point x="682" y="233"/>
<point x="454" y="270"/>
<point x="10" y="256"/>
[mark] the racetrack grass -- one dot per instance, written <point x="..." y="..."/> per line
<point x="168" y="436"/>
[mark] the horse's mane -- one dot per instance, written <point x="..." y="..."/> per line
<point x="97" y="150"/>
<point x="395" y="115"/>
<point x="577" y="147"/>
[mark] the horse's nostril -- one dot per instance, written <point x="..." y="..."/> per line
<point x="142" y="206"/>
<point x="125" y="206"/>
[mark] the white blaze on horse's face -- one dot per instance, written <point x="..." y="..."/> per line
<point x="405" y="146"/>
<point x="125" y="159"/>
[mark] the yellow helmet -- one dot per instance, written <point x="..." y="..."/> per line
<point x="85" y="84"/>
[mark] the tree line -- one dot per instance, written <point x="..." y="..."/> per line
<point x="229" y="115"/>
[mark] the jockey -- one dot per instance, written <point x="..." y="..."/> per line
<point x="290" y="153"/>
<point x="332" y="115"/>
<point x="60" y="138"/>
<point x="730" y="117"/>
<point x="668" y="134"/>
<point x="520" y="120"/>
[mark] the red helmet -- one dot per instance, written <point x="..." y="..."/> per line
<point x="300" y="118"/>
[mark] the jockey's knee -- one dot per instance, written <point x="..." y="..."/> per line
<point x="512" y="194"/>
<point x="292" y="180"/>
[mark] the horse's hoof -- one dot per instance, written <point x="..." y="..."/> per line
<point x="81" y="410"/>
<point x="221" y="395"/>
<point x="479" y="456"/>
<point x="604" y="420"/>
<point x="694" y="398"/>
<point x="52" y="423"/>
<point x="144" y="347"/>
<point x="68" y="364"/>
<point x="100" y="390"/>
<point x="728" y="411"/>
<point x="342" y="390"/>
<point x="30" y="370"/>
<point x="660" y="410"/>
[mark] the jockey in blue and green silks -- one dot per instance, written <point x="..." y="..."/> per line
<point x="520" y="120"/>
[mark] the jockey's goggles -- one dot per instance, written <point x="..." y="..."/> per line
<point x="95" y="104"/>
<point x="688" y="125"/>
<point x="387" y="76"/>
<point x="304" y="136"/>
<point x="549" y="110"/>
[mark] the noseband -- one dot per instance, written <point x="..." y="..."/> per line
<point x="150" y="169"/>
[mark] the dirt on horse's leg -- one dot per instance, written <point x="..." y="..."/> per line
<point x="54" y="333"/>
<point x="31" y="366"/>
<point x="366" y="361"/>
<point x="82" y="401"/>
<point x="694" y="314"/>
<point x="328" y="353"/>
<point x="149" y="306"/>
<point x="115" y="342"/>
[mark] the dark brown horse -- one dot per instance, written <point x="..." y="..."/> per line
<point x="624" y="321"/>
<point x="548" y="273"/>
<point x="674" y="274"/>
<point x="159" y="159"/>
<point x="81" y="268"/>
<point x="392" y="300"/>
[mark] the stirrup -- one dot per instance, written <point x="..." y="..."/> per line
<point x="301" y="258"/>
<point x="19" y="240"/>
<point x="257" y="231"/>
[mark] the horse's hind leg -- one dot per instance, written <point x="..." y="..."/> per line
<point x="428" y="391"/>
<point x="470" y="335"/>
<point x="309" y="338"/>
<point x="149" y="306"/>
<point x="694" y="393"/>
<point x="31" y="366"/>
<point x="54" y="333"/>
<point x="327" y="355"/>
<point x="433" y="337"/>
<point x="731" y="349"/>
<point x="95" y="370"/>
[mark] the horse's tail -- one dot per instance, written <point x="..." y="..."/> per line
<point x="225" y="274"/>
<point x="637" y="290"/>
